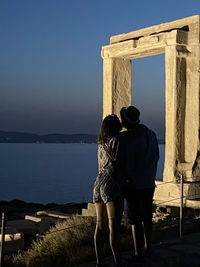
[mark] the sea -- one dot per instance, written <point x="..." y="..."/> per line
<point x="51" y="173"/>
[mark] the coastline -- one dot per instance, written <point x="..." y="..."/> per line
<point x="54" y="138"/>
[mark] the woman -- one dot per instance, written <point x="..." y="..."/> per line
<point x="107" y="196"/>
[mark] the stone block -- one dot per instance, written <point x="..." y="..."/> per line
<point x="169" y="194"/>
<point x="90" y="211"/>
<point x="14" y="240"/>
<point x="34" y="218"/>
<point x="46" y="219"/>
<point x="86" y="212"/>
<point x="54" y="214"/>
<point x="91" y="206"/>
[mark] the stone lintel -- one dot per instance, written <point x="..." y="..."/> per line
<point x="186" y="24"/>
<point x="145" y="46"/>
<point x="117" y="50"/>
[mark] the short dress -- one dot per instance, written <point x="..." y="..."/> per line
<point x="106" y="187"/>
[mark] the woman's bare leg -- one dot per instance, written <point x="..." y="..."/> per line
<point x="114" y="226"/>
<point x="101" y="225"/>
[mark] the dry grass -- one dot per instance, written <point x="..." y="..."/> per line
<point x="61" y="247"/>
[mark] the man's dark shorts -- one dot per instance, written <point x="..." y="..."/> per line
<point x="139" y="205"/>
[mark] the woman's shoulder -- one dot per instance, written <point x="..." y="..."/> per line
<point x="112" y="141"/>
<point x="109" y="145"/>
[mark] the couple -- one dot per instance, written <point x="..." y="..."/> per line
<point x="127" y="169"/>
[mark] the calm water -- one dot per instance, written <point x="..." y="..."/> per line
<point x="45" y="173"/>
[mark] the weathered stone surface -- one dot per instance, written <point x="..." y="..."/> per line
<point x="169" y="194"/>
<point x="46" y="219"/>
<point x="34" y="218"/>
<point x="14" y="240"/>
<point x="188" y="24"/>
<point x="90" y="211"/>
<point x="117" y="87"/>
<point x="144" y="46"/>
<point x="54" y="214"/>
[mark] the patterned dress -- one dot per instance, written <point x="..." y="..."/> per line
<point x="106" y="187"/>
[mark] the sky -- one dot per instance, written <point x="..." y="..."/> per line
<point x="51" y="66"/>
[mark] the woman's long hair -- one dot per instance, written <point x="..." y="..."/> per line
<point x="110" y="127"/>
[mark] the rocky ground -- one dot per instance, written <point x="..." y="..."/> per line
<point x="16" y="209"/>
<point x="168" y="247"/>
<point x="26" y="221"/>
<point x="179" y="252"/>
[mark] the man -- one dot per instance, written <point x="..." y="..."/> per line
<point x="138" y="156"/>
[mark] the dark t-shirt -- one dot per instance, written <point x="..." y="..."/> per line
<point x="137" y="157"/>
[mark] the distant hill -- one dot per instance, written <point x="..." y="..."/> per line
<point x="20" y="137"/>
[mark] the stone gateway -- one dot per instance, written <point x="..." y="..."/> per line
<point x="180" y="41"/>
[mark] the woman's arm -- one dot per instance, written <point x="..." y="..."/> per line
<point x="99" y="160"/>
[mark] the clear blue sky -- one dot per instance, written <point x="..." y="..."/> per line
<point x="51" y="66"/>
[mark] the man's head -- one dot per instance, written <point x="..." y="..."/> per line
<point x="130" y="116"/>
